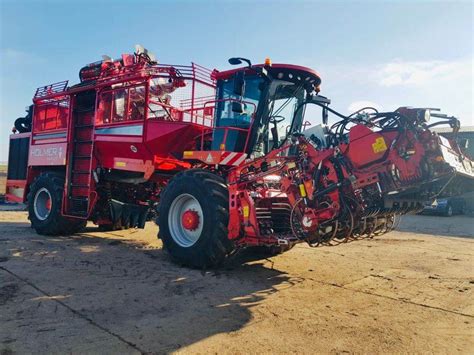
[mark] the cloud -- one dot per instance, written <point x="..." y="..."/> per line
<point x="17" y="57"/>
<point x="357" y="105"/>
<point x="443" y="83"/>
<point x="421" y="73"/>
<point x="11" y="53"/>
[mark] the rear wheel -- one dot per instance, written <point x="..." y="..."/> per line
<point x="193" y="217"/>
<point x="44" y="207"/>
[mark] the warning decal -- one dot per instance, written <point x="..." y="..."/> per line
<point x="379" y="145"/>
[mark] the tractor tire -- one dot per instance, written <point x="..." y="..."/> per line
<point x="44" y="207"/>
<point x="193" y="215"/>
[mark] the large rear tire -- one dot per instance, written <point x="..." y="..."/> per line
<point x="44" y="207"/>
<point x="193" y="215"/>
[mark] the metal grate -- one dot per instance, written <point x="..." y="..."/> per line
<point x="51" y="89"/>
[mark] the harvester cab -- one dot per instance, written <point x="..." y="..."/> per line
<point x="256" y="110"/>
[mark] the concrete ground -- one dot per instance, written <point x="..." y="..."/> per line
<point x="408" y="291"/>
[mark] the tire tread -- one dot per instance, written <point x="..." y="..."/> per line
<point x="216" y="246"/>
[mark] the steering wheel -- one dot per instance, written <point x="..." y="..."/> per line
<point x="273" y="119"/>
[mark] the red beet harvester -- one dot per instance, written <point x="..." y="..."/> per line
<point x="223" y="160"/>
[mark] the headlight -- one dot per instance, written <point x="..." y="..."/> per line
<point x="424" y="115"/>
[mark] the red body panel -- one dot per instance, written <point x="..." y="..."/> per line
<point x="51" y="154"/>
<point x="138" y="130"/>
<point x="366" y="146"/>
<point x="15" y="191"/>
<point x="170" y="139"/>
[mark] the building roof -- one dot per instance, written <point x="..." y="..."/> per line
<point x="449" y="129"/>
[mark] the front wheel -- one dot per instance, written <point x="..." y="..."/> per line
<point x="193" y="215"/>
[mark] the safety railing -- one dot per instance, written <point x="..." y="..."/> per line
<point x="203" y="116"/>
<point x="51" y="89"/>
<point x="113" y="75"/>
<point x="198" y="101"/>
<point x="192" y="72"/>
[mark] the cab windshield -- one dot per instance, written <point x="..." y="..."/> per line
<point x="225" y="116"/>
<point x="284" y="99"/>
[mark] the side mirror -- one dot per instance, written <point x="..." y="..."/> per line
<point x="239" y="83"/>
<point x="239" y="60"/>
<point x="235" y="61"/>
<point x="455" y="124"/>
<point x="237" y="107"/>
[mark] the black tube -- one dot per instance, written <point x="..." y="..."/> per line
<point x="327" y="190"/>
<point x="317" y="175"/>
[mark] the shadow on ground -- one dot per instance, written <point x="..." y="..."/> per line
<point x="130" y="292"/>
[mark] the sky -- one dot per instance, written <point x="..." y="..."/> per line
<point x="383" y="53"/>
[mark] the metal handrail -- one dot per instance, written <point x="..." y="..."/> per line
<point x="194" y="116"/>
<point x="191" y="72"/>
<point x="51" y="89"/>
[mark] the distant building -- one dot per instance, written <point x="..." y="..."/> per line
<point x="466" y="132"/>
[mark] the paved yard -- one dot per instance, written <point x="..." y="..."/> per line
<point x="409" y="291"/>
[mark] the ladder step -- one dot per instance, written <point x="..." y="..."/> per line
<point x="79" y="185"/>
<point x="79" y="202"/>
<point x="82" y="172"/>
<point x="78" y="191"/>
<point x="78" y="206"/>
<point x="82" y="157"/>
<point x="82" y="110"/>
<point x="79" y="199"/>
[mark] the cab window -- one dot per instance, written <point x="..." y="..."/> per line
<point x="121" y="105"/>
<point x="225" y="116"/>
<point x="137" y="103"/>
<point x="51" y="116"/>
<point x="285" y="97"/>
